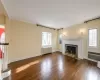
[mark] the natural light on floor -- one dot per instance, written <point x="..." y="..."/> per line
<point x="19" y="69"/>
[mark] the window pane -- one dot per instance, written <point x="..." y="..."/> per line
<point x="93" y="37"/>
<point x="46" y="39"/>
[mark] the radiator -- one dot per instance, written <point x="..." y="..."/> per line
<point x="95" y="56"/>
<point x="46" y="50"/>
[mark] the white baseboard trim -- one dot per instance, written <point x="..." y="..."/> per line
<point x="54" y="50"/>
<point x="18" y="59"/>
<point x="6" y="74"/>
<point x="91" y="60"/>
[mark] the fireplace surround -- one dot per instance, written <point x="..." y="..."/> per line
<point x="78" y="43"/>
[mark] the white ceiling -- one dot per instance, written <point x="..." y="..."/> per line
<point x="52" y="13"/>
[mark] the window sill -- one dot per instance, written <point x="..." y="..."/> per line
<point x="46" y="46"/>
<point x="92" y="46"/>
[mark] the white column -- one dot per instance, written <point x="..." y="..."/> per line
<point x="0" y="69"/>
<point x="5" y="59"/>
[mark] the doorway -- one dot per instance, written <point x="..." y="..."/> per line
<point x="2" y="40"/>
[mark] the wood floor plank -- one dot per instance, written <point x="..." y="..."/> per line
<point x="54" y="66"/>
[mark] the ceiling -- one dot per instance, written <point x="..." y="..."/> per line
<point x="52" y="13"/>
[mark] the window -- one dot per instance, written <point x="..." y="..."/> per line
<point x="93" y="37"/>
<point x="46" y="38"/>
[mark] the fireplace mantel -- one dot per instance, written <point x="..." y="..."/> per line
<point x="78" y="42"/>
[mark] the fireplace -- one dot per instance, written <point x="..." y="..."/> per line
<point x="71" y="50"/>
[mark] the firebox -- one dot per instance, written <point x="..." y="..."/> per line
<point x="71" y="49"/>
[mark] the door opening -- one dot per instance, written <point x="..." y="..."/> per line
<point x="2" y="40"/>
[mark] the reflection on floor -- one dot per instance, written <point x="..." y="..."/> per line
<point x="54" y="67"/>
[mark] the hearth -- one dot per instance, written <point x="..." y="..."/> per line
<point x="71" y="50"/>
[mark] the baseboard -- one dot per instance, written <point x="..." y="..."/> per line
<point x="91" y="60"/>
<point x="19" y="59"/>
<point x="6" y="74"/>
<point x="52" y="52"/>
<point x="47" y="53"/>
<point x="24" y="58"/>
<point x="57" y="50"/>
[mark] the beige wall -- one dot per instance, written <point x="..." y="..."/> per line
<point x="95" y="24"/>
<point x="59" y="45"/>
<point x="74" y="31"/>
<point x="2" y="19"/>
<point x="25" y="39"/>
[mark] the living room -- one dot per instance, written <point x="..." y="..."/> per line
<point x="49" y="40"/>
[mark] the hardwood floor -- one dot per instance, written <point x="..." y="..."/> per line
<point x="54" y="67"/>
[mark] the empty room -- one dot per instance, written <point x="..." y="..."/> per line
<point x="49" y="39"/>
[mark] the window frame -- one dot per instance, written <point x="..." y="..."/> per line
<point x="46" y="46"/>
<point x="97" y="38"/>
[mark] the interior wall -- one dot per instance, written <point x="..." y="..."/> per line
<point x="95" y="24"/>
<point x="57" y="42"/>
<point x="74" y="31"/>
<point x="25" y="39"/>
<point x="54" y="37"/>
<point x="59" y="45"/>
<point x="2" y="19"/>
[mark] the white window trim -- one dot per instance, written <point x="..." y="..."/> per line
<point x="48" y="46"/>
<point x="97" y="38"/>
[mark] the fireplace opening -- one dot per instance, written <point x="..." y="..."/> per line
<point x="71" y="50"/>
